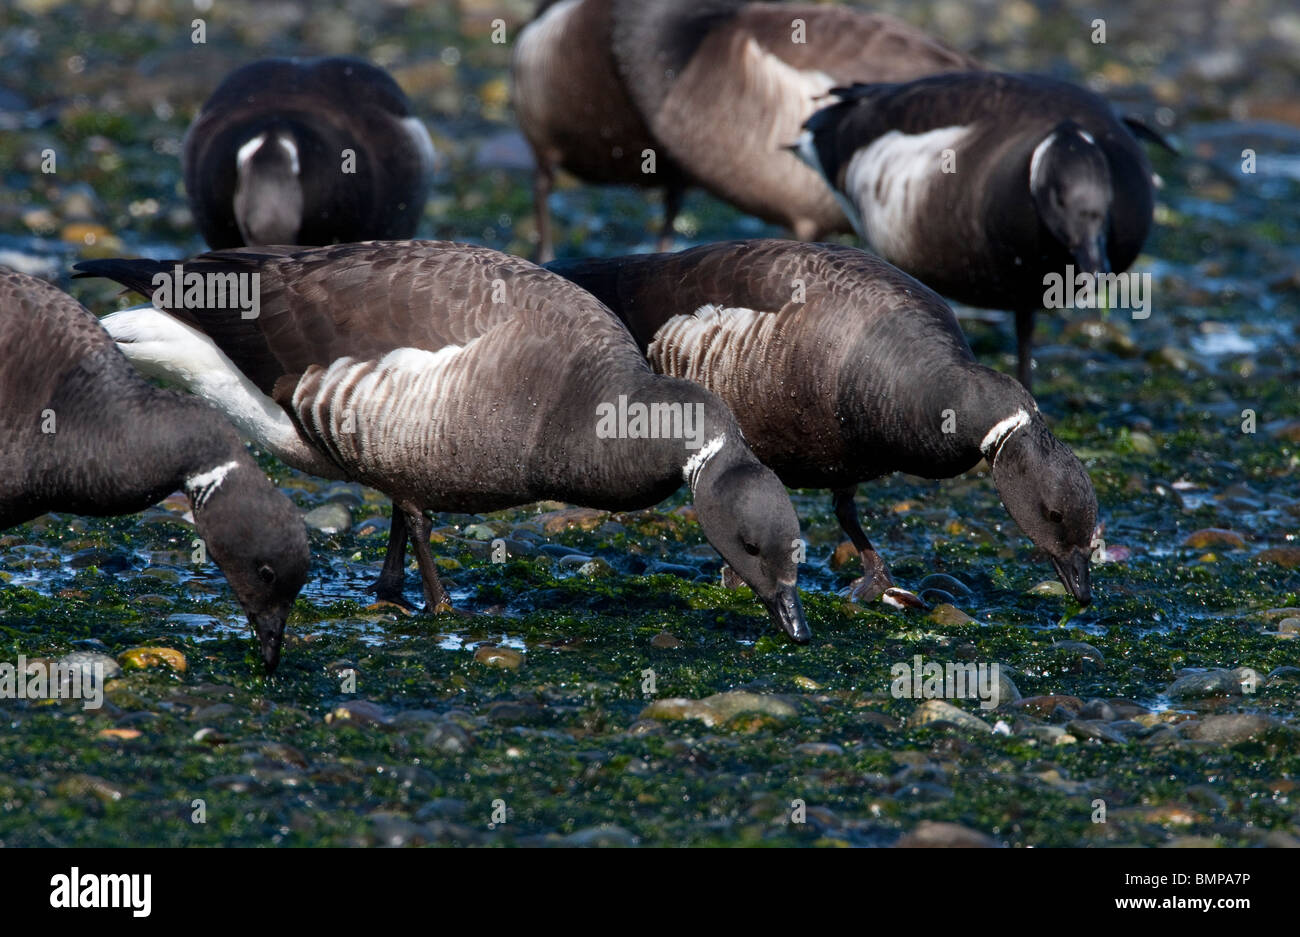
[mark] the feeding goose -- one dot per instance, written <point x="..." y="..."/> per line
<point x="84" y="433"/>
<point x="456" y="378"/>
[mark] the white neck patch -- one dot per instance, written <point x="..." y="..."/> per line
<point x="201" y="486"/>
<point x="993" y="440"/>
<point x="695" y="464"/>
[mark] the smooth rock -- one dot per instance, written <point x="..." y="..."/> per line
<point x="938" y="712"/>
<point x="504" y="657"/>
<point x="329" y="518"/>
<point x="929" y="834"/>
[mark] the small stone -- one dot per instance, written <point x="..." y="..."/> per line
<point x="1289" y="626"/>
<point x="330" y="518"/>
<point x="1080" y="650"/>
<point x="358" y="713"/>
<point x="1098" y="709"/>
<point x="504" y="657"/>
<point x="87" y="661"/>
<point x="665" y="641"/>
<point x="1286" y="557"/>
<point x="807" y="683"/>
<point x="512" y="713"/>
<point x="938" y="712"/>
<point x="448" y="737"/>
<point x="1048" y="587"/>
<point x="81" y="785"/>
<point x="948" y="615"/>
<point x="572" y="519"/>
<point x="121" y="735"/>
<point x="819" y="748"/>
<point x="844" y="554"/>
<point x="606" y="836"/>
<point x="143" y="658"/>
<point x="950" y="584"/>
<point x="1044" y="706"/>
<point x="1231" y="728"/>
<point x="1094" y="729"/>
<point x="1208" y="683"/>
<point x="929" y="834"/>
<point x="1215" y="537"/>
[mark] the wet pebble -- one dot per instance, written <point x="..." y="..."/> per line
<point x="358" y="713"/>
<point x="605" y="837"/>
<point x="935" y="712"/>
<point x="449" y="738"/>
<point x="1094" y="729"/>
<point x="665" y="641"/>
<point x="1230" y="728"/>
<point x="816" y="749"/>
<point x="506" y="658"/>
<point x="929" y="834"/>
<point x="142" y="658"/>
<point x="1215" y="537"/>
<point x="108" y="561"/>
<point x="1207" y="683"/>
<point x="330" y="518"/>
<point x="88" y="785"/>
<point x="720" y="708"/>
<point x="88" y="661"/>
<point x="948" y="614"/>
<point x="514" y="713"/>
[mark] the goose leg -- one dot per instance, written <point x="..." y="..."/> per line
<point x="388" y="587"/>
<point x="435" y="596"/>
<point x="672" y="206"/>
<point x="543" y="179"/>
<point x="1025" y="347"/>
<point x="875" y="577"/>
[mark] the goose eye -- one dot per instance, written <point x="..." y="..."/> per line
<point x="266" y="574"/>
<point x="751" y="549"/>
<point x="1055" y="517"/>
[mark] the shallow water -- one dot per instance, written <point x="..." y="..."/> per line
<point x="1154" y="407"/>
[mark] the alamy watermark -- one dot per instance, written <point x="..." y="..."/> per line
<point x="39" y="680"/>
<point x="922" y="679"/>
<point x="636" y="420"/>
<point x="209" y="289"/>
<point x="1083" y="290"/>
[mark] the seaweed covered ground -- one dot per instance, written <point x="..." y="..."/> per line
<point x="600" y="687"/>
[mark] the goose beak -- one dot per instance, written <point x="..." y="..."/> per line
<point x="787" y="611"/>
<point x="1091" y="257"/>
<point x="270" y="635"/>
<point x="1075" y="575"/>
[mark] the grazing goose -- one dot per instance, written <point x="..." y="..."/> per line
<point x="840" y="369"/>
<point x="597" y="82"/>
<point x="85" y="434"/>
<point x="312" y="151"/>
<point x="982" y="184"/>
<point x="456" y="378"/>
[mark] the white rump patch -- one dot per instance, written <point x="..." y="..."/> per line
<point x="993" y="440"/>
<point x="903" y="166"/>
<point x="201" y="486"/>
<point x="691" y="470"/>
<point x="163" y="347"/>
<point x="791" y="92"/>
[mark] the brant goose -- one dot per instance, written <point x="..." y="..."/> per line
<point x="597" y="82"/>
<point x="85" y="434"/>
<point x="309" y="151"/>
<point x="456" y="378"/>
<point x="576" y="114"/>
<point x="841" y="369"/>
<point x="982" y="184"/>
